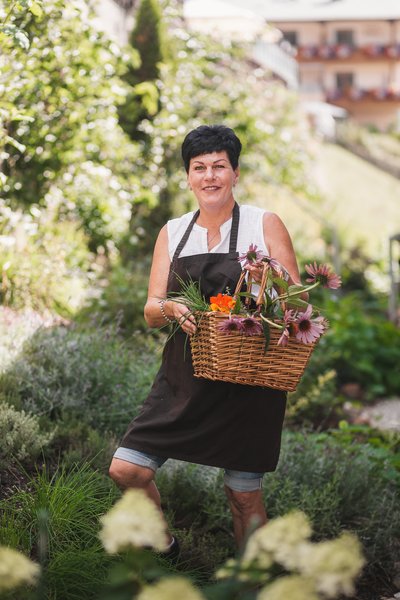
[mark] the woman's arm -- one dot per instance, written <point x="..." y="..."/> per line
<point x="279" y="244"/>
<point x="158" y="290"/>
<point x="280" y="247"/>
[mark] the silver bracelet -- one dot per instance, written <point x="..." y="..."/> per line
<point x="161" y="303"/>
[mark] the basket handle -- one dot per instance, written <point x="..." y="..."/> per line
<point x="250" y="280"/>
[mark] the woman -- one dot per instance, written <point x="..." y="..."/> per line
<point x="232" y="426"/>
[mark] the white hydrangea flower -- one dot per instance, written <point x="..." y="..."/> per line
<point x="293" y="587"/>
<point x="227" y="569"/>
<point x="171" y="588"/>
<point x="334" y="565"/>
<point x="278" y="541"/>
<point x="135" y="521"/>
<point x="16" y="569"/>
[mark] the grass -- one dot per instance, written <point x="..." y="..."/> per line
<point x="359" y="200"/>
<point x="70" y="504"/>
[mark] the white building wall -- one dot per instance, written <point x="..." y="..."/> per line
<point x="113" y="20"/>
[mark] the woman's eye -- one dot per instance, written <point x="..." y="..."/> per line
<point x="219" y="166"/>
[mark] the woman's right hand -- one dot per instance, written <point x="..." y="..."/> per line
<point x="182" y="315"/>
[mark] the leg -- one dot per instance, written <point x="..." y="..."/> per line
<point x="129" y="475"/>
<point x="245" y="501"/>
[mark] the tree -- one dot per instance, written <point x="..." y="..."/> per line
<point x="71" y="152"/>
<point x="142" y="101"/>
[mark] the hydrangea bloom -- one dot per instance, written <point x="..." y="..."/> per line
<point x="171" y="588"/>
<point x="133" y="521"/>
<point x="16" y="569"/>
<point x="292" y="587"/>
<point x="333" y="565"/>
<point x="278" y="541"/>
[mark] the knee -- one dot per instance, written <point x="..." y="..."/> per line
<point x="243" y="502"/>
<point x="128" y="475"/>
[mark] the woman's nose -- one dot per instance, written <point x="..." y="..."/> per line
<point x="210" y="173"/>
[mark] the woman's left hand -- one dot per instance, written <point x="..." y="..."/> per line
<point x="255" y="271"/>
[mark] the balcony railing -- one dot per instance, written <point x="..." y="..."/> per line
<point x="343" y="51"/>
<point x="355" y="94"/>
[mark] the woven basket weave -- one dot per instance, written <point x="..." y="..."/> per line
<point x="242" y="359"/>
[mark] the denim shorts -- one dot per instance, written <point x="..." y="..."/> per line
<point x="239" y="481"/>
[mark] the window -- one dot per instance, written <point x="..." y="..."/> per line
<point x="291" y="37"/>
<point x="345" y="36"/>
<point x="344" y="81"/>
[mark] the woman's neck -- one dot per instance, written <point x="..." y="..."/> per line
<point x="212" y="219"/>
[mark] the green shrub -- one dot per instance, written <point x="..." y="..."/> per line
<point x="21" y="438"/>
<point x="92" y="375"/>
<point x="362" y="346"/>
<point x="76" y="442"/>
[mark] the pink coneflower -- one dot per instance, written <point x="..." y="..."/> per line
<point x="323" y="275"/>
<point x="277" y="267"/>
<point x="288" y="319"/>
<point x="251" y="327"/>
<point x="251" y="256"/>
<point x="230" y="325"/>
<point x="309" y="329"/>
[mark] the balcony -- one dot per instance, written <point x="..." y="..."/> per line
<point x="355" y="94"/>
<point x="344" y="52"/>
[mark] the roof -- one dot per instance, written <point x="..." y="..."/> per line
<point x="322" y="10"/>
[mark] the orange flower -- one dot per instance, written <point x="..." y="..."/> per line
<point x="222" y="303"/>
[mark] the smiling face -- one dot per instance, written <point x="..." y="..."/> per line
<point x="211" y="177"/>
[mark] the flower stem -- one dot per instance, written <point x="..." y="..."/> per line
<point x="287" y="296"/>
<point x="270" y="322"/>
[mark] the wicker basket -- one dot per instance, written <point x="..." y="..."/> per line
<point x="242" y="359"/>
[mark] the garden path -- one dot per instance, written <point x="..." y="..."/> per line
<point x="384" y="415"/>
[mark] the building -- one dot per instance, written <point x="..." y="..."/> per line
<point x="224" y="20"/>
<point x="348" y="52"/>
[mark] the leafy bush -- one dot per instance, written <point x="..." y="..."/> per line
<point x="92" y="375"/>
<point x="21" y="437"/>
<point x="315" y="403"/>
<point x="121" y="296"/>
<point x="362" y="346"/>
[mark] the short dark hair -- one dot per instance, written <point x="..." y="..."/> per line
<point x="211" y="138"/>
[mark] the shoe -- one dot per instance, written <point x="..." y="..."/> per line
<point x="173" y="553"/>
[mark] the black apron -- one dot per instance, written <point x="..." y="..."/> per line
<point x="214" y="423"/>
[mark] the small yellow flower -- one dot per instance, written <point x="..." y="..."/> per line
<point x="16" y="569"/>
<point x="333" y="565"/>
<point x="134" y="521"/>
<point x="293" y="587"/>
<point x="171" y="588"/>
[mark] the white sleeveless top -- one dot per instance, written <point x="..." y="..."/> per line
<point x="250" y="232"/>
